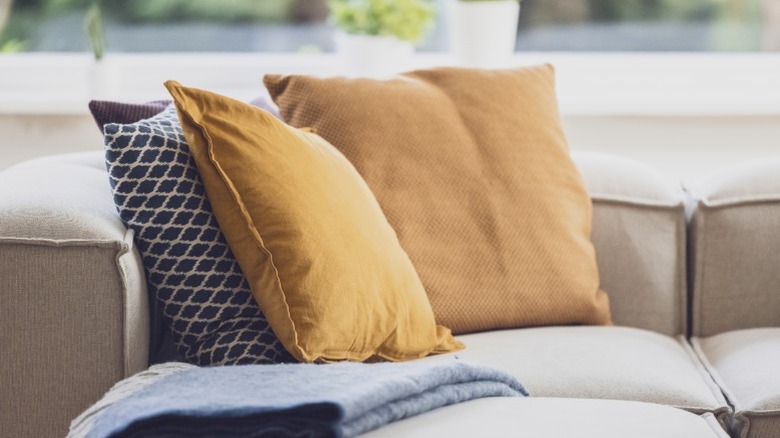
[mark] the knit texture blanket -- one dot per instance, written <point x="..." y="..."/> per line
<point x="295" y="400"/>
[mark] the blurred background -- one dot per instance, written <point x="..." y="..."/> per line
<point x="687" y="86"/>
<point x="301" y="25"/>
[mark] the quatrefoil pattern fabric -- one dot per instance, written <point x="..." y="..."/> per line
<point x="205" y="298"/>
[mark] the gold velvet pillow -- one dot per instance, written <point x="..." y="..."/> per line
<point x="322" y="261"/>
<point x="472" y="169"/>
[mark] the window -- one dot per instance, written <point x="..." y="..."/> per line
<point x="301" y="25"/>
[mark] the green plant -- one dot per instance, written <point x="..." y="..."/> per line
<point x="167" y="11"/>
<point x="13" y="46"/>
<point x="230" y="11"/>
<point x="93" y="27"/>
<point x="408" y="20"/>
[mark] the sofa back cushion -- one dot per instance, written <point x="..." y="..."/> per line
<point x="640" y="237"/>
<point x="735" y="248"/>
<point x="473" y="171"/>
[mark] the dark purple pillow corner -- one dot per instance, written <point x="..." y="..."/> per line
<point x="123" y="113"/>
<point x="106" y="111"/>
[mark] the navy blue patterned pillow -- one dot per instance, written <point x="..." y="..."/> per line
<point x="204" y="296"/>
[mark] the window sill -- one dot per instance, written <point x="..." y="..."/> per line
<point x="589" y="84"/>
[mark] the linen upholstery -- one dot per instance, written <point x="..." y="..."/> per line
<point x="640" y="237"/>
<point x="745" y="364"/>
<point x="74" y="312"/>
<point x="472" y="170"/>
<point x="553" y="418"/>
<point x="617" y="363"/>
<point x="319" y="255"/>
<point x="735" y="238"/>
<point x="94" y="359"/>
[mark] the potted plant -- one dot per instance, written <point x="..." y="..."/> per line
<point x="483" y="32"/>
<point x="377" y="37"/>
<point x="99" y="78"/>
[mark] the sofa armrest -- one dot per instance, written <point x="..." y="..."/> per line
<point x="639" y="236"/>
<point x="735" y="248"/>
<point x="74" y="315"/>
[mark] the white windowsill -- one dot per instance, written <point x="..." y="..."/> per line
<point x="589" y="84"/>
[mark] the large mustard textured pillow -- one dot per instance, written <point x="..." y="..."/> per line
<point x="472" y="169"/>
<point x="321" y="259"/>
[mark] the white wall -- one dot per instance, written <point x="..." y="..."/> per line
<point x="23" y="137"/>
<point x="680" y="147"/>
<point x="686" y="114"/>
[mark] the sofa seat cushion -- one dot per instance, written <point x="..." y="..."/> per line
<point x="746" y="365"/>
<point x="554" y="417"/>
<point x="617" y="363"/>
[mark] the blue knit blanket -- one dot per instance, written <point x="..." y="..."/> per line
<point x="335" y="400"/>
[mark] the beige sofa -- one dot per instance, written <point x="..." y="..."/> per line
<point x="75" y="316"/>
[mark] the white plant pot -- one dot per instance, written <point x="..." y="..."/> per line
<point x="483" y="33"/>
<point x="101" y="81"/>
<point x="373" y="56"/>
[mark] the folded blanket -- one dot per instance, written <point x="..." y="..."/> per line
<point x="296" y="400"/>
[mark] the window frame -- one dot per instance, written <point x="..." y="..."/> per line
<point x="588" y="84"/>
